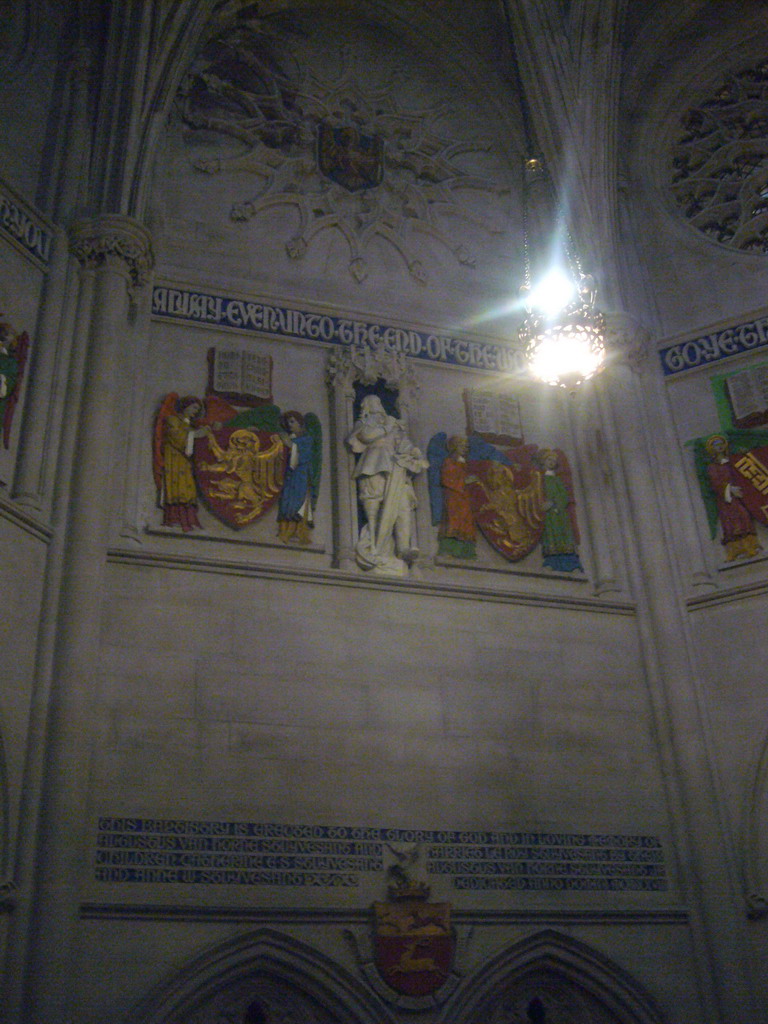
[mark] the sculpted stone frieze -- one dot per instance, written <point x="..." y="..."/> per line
<point x="346" y="140"/>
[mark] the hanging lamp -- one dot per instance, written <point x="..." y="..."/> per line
<point x="563" y="333"/>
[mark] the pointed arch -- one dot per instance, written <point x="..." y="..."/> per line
<point x="550" y="957"/>
<point x="234" y="972"/>
<point x="4" y="820"/>
<point x="755" y="843"/>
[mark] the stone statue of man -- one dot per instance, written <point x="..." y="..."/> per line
<point x="387" y="462"/>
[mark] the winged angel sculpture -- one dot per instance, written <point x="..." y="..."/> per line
<point x="240" y="462"/>
<point x="342" y="155"/>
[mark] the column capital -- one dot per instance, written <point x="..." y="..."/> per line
<point x="113" y="237"/>
<point x="627" y="339"/>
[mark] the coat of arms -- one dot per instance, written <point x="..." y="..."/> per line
<point x="518" y="496"/>
<point x="240" y="461"/>
<point x="349" y="157"/>
<point x="239" y="470"/>
<point x="413" y="945"/>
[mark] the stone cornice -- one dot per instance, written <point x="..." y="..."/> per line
<point x="113" y="237"/>
<point x="669" y="914"/>
<point x="340" y="578"/>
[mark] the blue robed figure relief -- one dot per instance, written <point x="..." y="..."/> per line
<point x="296" y="508"/>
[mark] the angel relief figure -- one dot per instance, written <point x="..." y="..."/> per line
<point x="561" y="529"/>
<point x="296" y="509"/>
<point x="176" y="427"/>
<point x="13" y="358"/>
<point x="519" y="496"/>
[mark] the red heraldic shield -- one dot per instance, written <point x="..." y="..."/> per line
<point x="239" y="473"/>
<point x="752" y="469"/>
<point x="508" y="501"/>
<point x="413" y="945"/>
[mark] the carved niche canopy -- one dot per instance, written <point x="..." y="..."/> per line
<point x="346" y="130"/>
<point x="719" y="172"/>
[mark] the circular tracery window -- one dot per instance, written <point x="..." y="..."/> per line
<point x="720" y="162"/>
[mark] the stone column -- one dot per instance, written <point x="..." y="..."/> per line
<point x="341" y="396"/>
<point x="649" y="481"/>
<point x="634" y="375"/>
<point x="114" y="254"/>
<point x="47" y="399"/>
<point x="598" y="511"/>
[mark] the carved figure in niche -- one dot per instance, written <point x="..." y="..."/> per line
<point x="561" y="531"/>
<point x="13" y="359"/>
<point x="452" y="508"/>
<point x="295" y="515"/>
<point x="727" y="483"/>
<point x="387" y="462"/>
<point x="175" y="432"/>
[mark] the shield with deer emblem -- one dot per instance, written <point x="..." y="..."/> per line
<point x="413" y="945"/>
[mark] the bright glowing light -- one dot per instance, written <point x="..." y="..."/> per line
<point x="565" y="357"/>
<point x="553" y="292"/>
<point x="566" y="348"/>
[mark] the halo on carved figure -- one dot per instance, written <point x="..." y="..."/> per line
<point x="719" y="162"/>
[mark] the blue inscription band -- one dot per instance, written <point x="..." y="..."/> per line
<point x="301" y="325"/>
<point x="243" y="853"/>
<point x="711" y="348"/>
<point x="24" y="229"/>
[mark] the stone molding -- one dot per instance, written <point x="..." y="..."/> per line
<point x="627" y="340"/>
<point x="113" y="238"/>
<point x="22" y="519"/>
<point x="340" y="577"/>
<point x="673" y="915"/>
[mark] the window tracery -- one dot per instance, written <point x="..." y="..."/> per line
<point x="719" y="170"/>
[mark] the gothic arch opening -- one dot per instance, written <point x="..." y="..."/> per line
<point x="261" y="978"/>
<point x="550" y="978"/>
<point x="4" y="820"/>
<point x="756" y="838"/>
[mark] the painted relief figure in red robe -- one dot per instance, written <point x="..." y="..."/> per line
<point x="737" y="525"/>
<point x="458" y="529"/>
